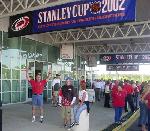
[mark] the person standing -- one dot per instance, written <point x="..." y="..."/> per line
<point x="143" y="109"/>
<point x="129" y="98"/>
<point x="107" y="95"/>
<point x="37" y="93"/>
<point x="97" y="89"/>
<point x="146" y="100"/>
<point x="55" y="89"/>
<point x="118" y="102"/>
<point x="67" y="98"/>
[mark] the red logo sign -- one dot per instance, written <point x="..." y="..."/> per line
<point x="107" y="58"/>
<point x="20" y="23"/>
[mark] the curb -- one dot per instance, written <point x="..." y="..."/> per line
<point x="124" y="126"/>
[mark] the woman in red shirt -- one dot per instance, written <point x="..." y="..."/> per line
<point x="118" y="101"/>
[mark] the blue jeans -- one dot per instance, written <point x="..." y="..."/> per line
<point x="118" y="113"/>
<point x="143" y="113"/>
<point x="77" y="111"/>
<point x="136" y="100"/>
<point x="148" y="119"/>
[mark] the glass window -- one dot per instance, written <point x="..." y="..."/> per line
<point x="6" y="60"/>
<point x="15" y="62"/>
<point x="28" y="48"/>
<point x="23" y="84"/>
<point x="45" y="95"/>
<point x="6" y="98"/>
<point x="15" y="97"/>
<point x="15" y="74"/>
<point x="23" y="63"/>
<point x="11" y="52"/>
<point x="23" y="96"/>
<point x="41" y="52"/>
<point x="53" y="54"/>
<point x="15" y="85"/>
<point x="6" y="73"/>
<point x="45" y="70"/>
<point x="49" y="94"/>
<point x="49" y="84"/>
<point x="6" y="85"/>
<point x="0" y="38"/>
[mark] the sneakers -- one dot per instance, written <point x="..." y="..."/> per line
<point x="73" y="124"/>
<point x="41" y="119"/>
<point x="33" y="119"/>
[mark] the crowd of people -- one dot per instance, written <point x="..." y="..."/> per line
<point x="121" y="93"/>
<point x="65" y="97"/>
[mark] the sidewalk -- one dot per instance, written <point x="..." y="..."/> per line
<point x="17" y="117"/>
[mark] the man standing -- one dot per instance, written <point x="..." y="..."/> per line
<point x="129" y="98"/>
<point x="97" y="90"/>
<point x="55" y="89"/>
<point x="37" y="93"/>
<point x="66" y="99"/>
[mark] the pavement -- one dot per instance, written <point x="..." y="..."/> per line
<point x="134" y="127"/>
<point x="17" y="117"/>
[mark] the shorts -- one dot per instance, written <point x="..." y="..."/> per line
<point x="66" y="112"/>
<point x="37" y="100"/>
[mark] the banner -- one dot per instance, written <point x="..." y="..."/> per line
<point x="79" y="14"/>
<point x="122" y="67"/>
<point x="125" y="58"/>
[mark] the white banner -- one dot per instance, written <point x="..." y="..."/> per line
<point x="67" y="51"/>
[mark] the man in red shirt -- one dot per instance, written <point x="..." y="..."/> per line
<point x="118" y="102"/>
<point x="129" y="98"/>
<point x="37" y="93"/>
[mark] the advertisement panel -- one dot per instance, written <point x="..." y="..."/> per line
<point x="67" y="52"/>
<point x="125" y="58"/>
<point x="79" y="14"/>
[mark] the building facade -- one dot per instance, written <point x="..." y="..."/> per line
<point x="15" y="54"/>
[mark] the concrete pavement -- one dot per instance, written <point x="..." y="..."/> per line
<point x="17" y="117"/>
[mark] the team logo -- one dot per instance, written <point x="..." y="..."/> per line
<point x="20" y="23"/>
<point x="107" y="58"/>
<point x="95" y="7"/>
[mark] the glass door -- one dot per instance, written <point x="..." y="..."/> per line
<point x="31" y="65"/>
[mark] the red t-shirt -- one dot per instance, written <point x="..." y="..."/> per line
<point x="118" y="98"/>
<point x="128" y="88"/>
<point x="37" y="87"/>
<point x="148" y="98"/>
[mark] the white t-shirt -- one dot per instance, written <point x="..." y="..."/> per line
<point x="107" y="90"/>
<point x="55" y="81"/>
<point x="81" y="95"/>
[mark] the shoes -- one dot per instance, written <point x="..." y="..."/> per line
<point x="118" y="123"/>
<point x="41" y="119"/>
<point x="73" y="124"/>
<point x="33" y="119"/>
<point x="65" y="125"/>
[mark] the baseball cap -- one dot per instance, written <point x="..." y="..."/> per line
<point x="68" y="78"/>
